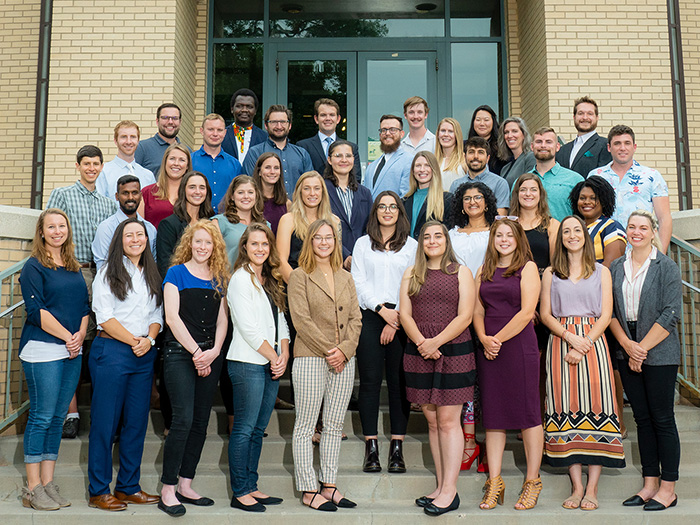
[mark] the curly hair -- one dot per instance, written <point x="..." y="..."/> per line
<point x="39" y="251"/>
<point x="218" y="261"/>
<point x="603" y="191"/>
<point x="458" y="217"/>
<point x="229" y="204"/>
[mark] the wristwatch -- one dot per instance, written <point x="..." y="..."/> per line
<point x="378" y="307"/>
<point x="153" y="341"/>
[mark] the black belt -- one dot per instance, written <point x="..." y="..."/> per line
<point x="206" y="345"/>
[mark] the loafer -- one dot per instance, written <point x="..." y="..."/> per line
<point x="396" y="462"/>
<point x="172" y="510"/>
<point x="634" y="501"/>
<point x="138" y="498"/>
<point x="423" y="501"/>
<point x="255" y="507"/>
<point x="652" y="504"/>
<point x="106" y="502"/>
<point x="270" y="500"/>
<point x="371" y="463"/>
<point x="200" y="502"/>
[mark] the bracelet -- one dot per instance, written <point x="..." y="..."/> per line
<point x="195" y="352"/>
<point x="589" y="338"/>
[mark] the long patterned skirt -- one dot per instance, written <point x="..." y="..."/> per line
<point x="581" y="419"/>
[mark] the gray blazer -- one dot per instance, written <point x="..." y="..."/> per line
<point x="660" y="303"/>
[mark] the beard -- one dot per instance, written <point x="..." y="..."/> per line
<point x="389" y="148"/>
<point x="581" y="127"/>
<point x="544" y="155"/>
<point x="168" y="134"/>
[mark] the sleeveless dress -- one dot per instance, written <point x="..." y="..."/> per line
<point x="273" y="213"/>
<point x="539" y="246"/>
<point x="448" y="380"/>
<point x="509" y="385"/>
<point x="581" y="417"/>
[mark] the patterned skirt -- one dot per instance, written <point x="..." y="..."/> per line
<point x="581" y="419"/>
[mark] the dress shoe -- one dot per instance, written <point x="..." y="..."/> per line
<point x="424" y="501"/>
<point x="201" y="502"/>
<point x="255" y="507"/>
<point x="396" y="462"/>
<point x="432" y="510"/>
<point x="70" y="428"/>
<point x="106" y="502"/>
<point x="634" y="501"/>
<point x="172" y="510"/>
<point x="281" y="404"/>
<point x="270" y="500"/>
<point x="342" y="503"/>
<point x="652" y="504"/>
<point x="139" y="498"/>
<point x="371" y="456"/>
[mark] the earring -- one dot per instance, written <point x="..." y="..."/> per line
<point x="463" y="212"/>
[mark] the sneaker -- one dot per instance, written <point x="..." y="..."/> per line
<point x="52" y="492"/>
<point x="38" y="499"/>
<point x="70" y="428"/>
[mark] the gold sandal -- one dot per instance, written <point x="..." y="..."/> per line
<point x="529" y="494"/>
<point x="495" y="491"/>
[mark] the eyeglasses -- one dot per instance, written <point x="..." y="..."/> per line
<point x="391" y="207"/>
<point x="275" y="122"/>
<point x="173" y="119"/>
<point x="320" y="238"/>
<point x="393" y="131"/>
<point x="510" y="217"/>
<point x="475" y="198"/>
<point x="342" y="155"/>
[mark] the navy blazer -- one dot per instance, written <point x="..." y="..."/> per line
<point x="229" y="144"/>
<point x="593" y="154"/>
<point x="408" y="204"/>
<point x="356" y="227"/>
<point x="318" y="158"/>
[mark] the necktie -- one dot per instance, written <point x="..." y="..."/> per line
<point x="239" y="133"/>
<point x="130" y="167"/>
<point x="327" y="144"/>
<point x="379" y="169"/>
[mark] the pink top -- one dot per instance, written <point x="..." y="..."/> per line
<point x="155" y="210"/>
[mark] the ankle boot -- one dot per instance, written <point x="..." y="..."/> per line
<point x="371" y="456"/>
<point x="396" y="462"/>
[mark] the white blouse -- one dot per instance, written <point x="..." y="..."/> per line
<point x="470" y="248"/>
<point x="632" y="286"/>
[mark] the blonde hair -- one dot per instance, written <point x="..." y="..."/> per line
<point x="435" y="204"/>
<point x="653" y="222"/>
<point x="448" y="263"/>
<point x="298" y="209"/>
<point x="307" y="258"/>
<point x="162" y="182"/>
<point x="39" y="251"/>
<point x="456" y="158"/>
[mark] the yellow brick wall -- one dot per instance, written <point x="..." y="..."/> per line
<point x="690" y="32"/>
<point x="19" y="51"/>
<point x="533" y="63"/>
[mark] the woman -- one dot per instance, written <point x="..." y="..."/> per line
<point x="126" y="298"/>
<point x="256" y="359"/>
<point x="324" y="308"/>
<point x="159" y="198"/>
<point x="425" y="200"/>
<point x="437" y="300"/>
<point x="56" y="304"/>
<point x="350" y="201"/>
<point x="380" y="259"/>
<point x="449" y="155"/>
<point x="242" y="206"/>
<point x="649" y="355"/>
<point x="514" y="148"/>
<point x="581" y="421"/>
<point x="508" y="287"/>
<point x="193" y="203"/>
<point x="196" y="319"/>
<point x="485" y="125"/>
<point x="270" y="184"/>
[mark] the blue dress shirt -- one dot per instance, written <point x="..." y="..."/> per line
<point x="295" y="161"/>
<point x="219" y="171"/>
<point x="105" y="232"/>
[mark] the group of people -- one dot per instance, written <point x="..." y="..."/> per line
<point x="512" y="298"/>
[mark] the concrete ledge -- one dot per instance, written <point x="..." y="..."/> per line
<point x="18" y="223"/>
<point x="686" y="224"/>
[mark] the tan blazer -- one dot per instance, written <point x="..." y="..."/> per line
<point x="315" y="313"/>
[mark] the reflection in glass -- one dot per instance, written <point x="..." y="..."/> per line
<point x="236" y="66"/>
<point x="237" y="19"/>
<point x="475" y="18"/>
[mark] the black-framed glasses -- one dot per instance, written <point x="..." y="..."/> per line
<point x="475" y="198"/>
<point x="275" y="122"/>
<point x="393" y="131"/>
<point x="391" y="207"/>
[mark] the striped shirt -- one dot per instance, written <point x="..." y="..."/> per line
<point x="632" y="286"/>
<point x="604" y="231"/>
<point x="346" y="196"/>
<point x="86" y="210"/>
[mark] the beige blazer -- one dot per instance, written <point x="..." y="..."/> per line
<point x="316" y="313"/>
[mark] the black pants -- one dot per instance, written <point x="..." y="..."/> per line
<point x="191" y="398"/>
<point x="650" y="393"/>
<point x="373" y="360"/>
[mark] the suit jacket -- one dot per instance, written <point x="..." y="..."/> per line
<point x="256" y="137"/>
<point x="356" y="227"/>
<point x="318" y="157"/>
<point x="660" y="303"/>
<point x="316" y="313"/>
<point x="408" y="204"/>
<point x="394" y="175"/>
<point x="593" y="154"/>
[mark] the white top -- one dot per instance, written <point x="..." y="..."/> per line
<point x="632" y="287"/>
<point x="578" y="144"/>
<point x="427" y="143"/>
<point x="378" y="274"/>
<point x="136" y="313"/>
<point x="470" y="248"/>
<point x="448" y="177"/>
<point x="253" y="322"/>
<point x="43" y="352"/>
<point x="113" y="170"/>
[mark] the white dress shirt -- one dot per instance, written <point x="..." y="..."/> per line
<point x="578" y="144"/>
<point x="114" y="169"/>
<point x="632" y="286"/>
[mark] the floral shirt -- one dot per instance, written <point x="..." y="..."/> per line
<point x="635" y="190"/>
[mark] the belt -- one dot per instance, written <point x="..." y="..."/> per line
<point x="90" y="264"/>
<point x="102" y="333"/>
<point x="206" y="345"/>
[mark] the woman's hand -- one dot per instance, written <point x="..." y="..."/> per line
<point x="279" y="366"/>
<point x="204" y="358"/>
<point x="387" y="335"/>
<point x="635" y="351"/>
<point x="204" y="372"/>
<point x="578" y="343"/>
<point x="429" y="349"/>
<point x="635" y="365"/>
<point x="573" y="357"/>
<point x="391" y="317"/>
<point x="492" y="347"/>
<point x="336" y="359"/>
<point x="142" y="346"/>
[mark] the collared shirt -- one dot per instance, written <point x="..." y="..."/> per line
<point x="345" y="196"/>
<point x="219" y="171"/>
<point x="558" y="182"/>
<point x="242" y="149"/>
<point x="498" y="186"/>
<point x="137" y="312"/>
<point x="632" y="286"/>
<point x="295" y="161"/>
<point x="105" y="232"/>
<point x="149" y="153"/>
<point x="578" y="144"/>
<point x="86" y="210"/>
<point x="114" y="169"/>
<point x="427" y="143"/>
<point x="324" y="142"/>
<point x="635" y="191"/>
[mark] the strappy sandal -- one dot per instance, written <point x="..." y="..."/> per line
<point x="327" y="506"/>
<point x="574" y="502"/>
<point x="343" y="503"/>
<point x="593" y="503"/>
<point x="495" y="491"/>
<point x="529" y="494"/>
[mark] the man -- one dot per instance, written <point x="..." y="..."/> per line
<point x="129" y="198"/>
<point x="86" y="209"/>
<point x="556" y="180"/>
<point x="588" y="151"/>
<point x="419" y="138"/>
<point x="295" y="160"/>
<point x="636" y="186"/>
<point x="149" y="153"/>
<point x="243" y="134"/>
<point x="478" y="171"/>
<point x="327" y="117"/>
<point x="218" y="167"/>
<point x="126" y="137"/>
<point x="392" y="170"/>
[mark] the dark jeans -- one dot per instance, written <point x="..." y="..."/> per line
<point x="651" y="393"/>
<point x="191" y="397"/>
<point x="254" y="395"/>
<point x="373" y="360"/>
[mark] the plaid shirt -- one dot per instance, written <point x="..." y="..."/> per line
<point x="86" y="210"/>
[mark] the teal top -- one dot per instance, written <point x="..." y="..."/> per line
<point x="418" y="200"/>
<point x="232" y="234"/>
<point x="558" y="182"/>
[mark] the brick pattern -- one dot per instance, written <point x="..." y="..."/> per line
<point x="185" y="72"/>
<point x="690" y="33"/>
<point x="201" y="50"/>
<point x="534" y="62"/>
<point x="513" y="54"/>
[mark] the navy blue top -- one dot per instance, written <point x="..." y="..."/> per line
<point x="199" y="304"/>
<point x="61" y="293"/>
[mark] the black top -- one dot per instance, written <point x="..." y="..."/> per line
<point x="294" y="251"/>
<point x="539" y="245"/>
<point x="169" y="232"/>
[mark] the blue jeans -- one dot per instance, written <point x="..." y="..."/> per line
<point x="254" y="395"/>
<point x="51" y="386"/>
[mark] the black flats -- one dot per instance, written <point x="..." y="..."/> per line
<point x="270" y="500"/>
<point x="172" y="510"/>
<point x="431" y="510"/>
<point x="343" y="503"/>
<point x="423" y="501"/>
<point x="371" y="463"/>
<point x="201" y="502"/>
<point x="255" y="507"/>
<point x="652" y="504"/>
<point x="634" y="501"/>
<point x="326" y="506"/>
<point x="396" y="462"/>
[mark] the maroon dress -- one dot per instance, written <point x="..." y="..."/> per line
<point x="509" y="385"/>
<point x="450" y="379"/>
<point x="155" y="210"/>
<point x="273" y="213"/>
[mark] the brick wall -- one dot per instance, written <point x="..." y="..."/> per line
<point x="533" y="63"/>
<point x="690" y="32"/>
<point x="513" y="57"/>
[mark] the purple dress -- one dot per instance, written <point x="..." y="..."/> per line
<point x="273" y="213"/>
<point x="509" y="385"/>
